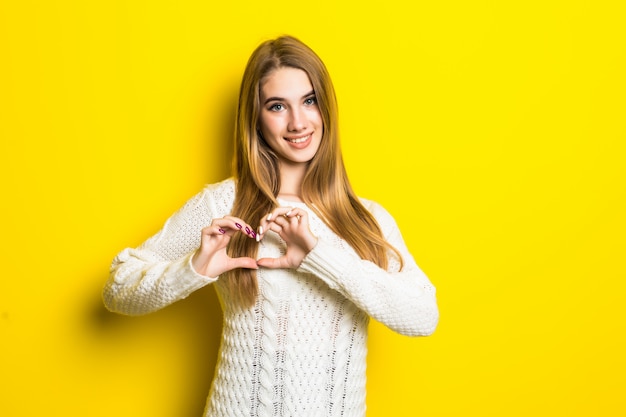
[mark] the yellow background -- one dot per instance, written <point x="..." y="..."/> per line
<point x="493" y="131"/>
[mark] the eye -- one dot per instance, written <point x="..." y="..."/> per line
<point x="310" y="101"/>
<point x="276" y="107"/>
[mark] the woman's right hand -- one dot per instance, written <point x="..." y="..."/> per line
<point x="211" y="259"/>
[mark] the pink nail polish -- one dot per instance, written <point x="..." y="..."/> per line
<point x="238" y="225"/>
<point x="222" y="231"/>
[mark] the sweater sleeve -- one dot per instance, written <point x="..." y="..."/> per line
<point x="159" y="272"/>
<point x="402" y="300"/>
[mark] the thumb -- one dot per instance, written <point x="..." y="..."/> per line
<point x="244" y="262"/>
<point x="272" y="263"/>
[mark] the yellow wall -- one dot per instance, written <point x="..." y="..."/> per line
<point x="493" y="131"/>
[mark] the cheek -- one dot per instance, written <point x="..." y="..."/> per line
<point x="316" y="117"/>
<point x="269" y="125"/>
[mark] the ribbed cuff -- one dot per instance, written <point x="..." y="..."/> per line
<point x="183" y="278"/>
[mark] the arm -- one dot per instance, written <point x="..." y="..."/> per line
<point x="159" y="272"/>
<point x="403" y="300"/>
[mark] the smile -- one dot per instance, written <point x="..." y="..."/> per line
<point x="300" y="139"/>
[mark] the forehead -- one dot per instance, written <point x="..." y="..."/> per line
<point x="286" y="82"/>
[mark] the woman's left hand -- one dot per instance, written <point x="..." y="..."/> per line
<point x="292" y="225"/>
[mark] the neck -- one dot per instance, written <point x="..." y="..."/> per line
<point x="291" y="177"/>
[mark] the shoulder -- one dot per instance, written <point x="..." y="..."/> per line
<point x="386" y="222"/>
<point x="373" y="207"/>
<point x="382" y="216"/>
<point x="225" y="188"/>
<point x="217" y="198"/>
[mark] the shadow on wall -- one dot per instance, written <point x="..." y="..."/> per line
<point x="197" y="320"/>
<point x="197" y="323"/>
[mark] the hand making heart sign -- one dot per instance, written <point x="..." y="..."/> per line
<point x="291" y="224"/>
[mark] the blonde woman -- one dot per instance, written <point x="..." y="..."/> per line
<point x="299" y="262"/>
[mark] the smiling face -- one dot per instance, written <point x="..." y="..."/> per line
<point x="290" y="120"/>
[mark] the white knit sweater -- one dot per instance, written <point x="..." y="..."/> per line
<point x="301" y="349"/>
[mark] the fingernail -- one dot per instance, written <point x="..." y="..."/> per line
<point x="260" y="230"/>
<point x="222" y="231"/>
<point x="238" y="225"/>
<point x="258" y="238"/>
<point x="250" y="232"/>
<point x="269" y="217"/>
<point x="287" y="214"/>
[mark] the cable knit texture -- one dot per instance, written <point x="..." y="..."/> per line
<point x="301" y="349"/>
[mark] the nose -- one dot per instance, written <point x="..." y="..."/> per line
<point x="297" y="120"/>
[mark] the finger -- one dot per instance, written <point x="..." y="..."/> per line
<point x="263" y="227"/>
<point x="277" y="213"/>
<point x="281" y="221"/>
<point x="231" y="223"/>
<point x="289" y="222"/>
<point x="294" y="212"/>
<point x="213" y="230"/>
<point x="271" y="217"/>
<point x="244" y="262"/>
<point x="273" y="263"/>
<point x="217" y="268"/>
<point x="276" y="228"/>
<point x="300" y="215"/>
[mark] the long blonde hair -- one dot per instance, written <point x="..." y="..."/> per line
<point x="325" y="187"/>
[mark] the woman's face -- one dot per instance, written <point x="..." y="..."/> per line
<point x="290" y="120"/>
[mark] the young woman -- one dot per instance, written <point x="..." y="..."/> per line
<point x="299" y="262"/>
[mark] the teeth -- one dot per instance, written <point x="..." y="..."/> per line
<point x="299" y="140"/>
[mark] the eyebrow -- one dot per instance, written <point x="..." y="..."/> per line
<point x="310" y="93"/>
